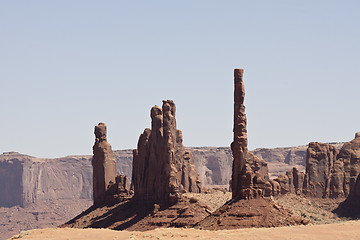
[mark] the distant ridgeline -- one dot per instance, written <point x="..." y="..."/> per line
<point x="25" y="179"/>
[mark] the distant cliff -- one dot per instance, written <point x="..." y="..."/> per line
<point x="25" y="179"/>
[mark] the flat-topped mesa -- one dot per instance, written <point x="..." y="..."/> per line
<point x="162" y="168"/>
<point x="104" y="164"/>
<point x="249" y="173"/>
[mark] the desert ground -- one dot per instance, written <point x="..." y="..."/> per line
<point x="323" y="225"/>
<point x="349" y="230"/>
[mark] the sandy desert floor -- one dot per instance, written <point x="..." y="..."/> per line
<point x="349" y="230"/>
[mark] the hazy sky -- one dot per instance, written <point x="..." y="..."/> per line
<point x="67" y="65"/>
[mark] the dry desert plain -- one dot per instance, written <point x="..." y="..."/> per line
<point x="311" y="209"/>
<point x="349" y="230"/>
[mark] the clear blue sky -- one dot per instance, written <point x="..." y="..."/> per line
<point x="67" y="65"/>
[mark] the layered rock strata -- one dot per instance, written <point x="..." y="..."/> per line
<point x="104" y="164"/>
<point x="162" y="168"/>
<point x="249" y="173"/>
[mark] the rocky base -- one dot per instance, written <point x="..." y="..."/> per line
<point x="248" y="213"/>
<point x="136" y="216"/>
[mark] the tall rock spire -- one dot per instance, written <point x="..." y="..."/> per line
<point x="250" y="174"/>
<point x="239" y="145"/>
<point x="162" y="168"/>
<point x="104" y="164"/>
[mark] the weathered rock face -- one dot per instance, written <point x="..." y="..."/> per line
<point x="346" y="168"/>
<point x="162" y="168"/>
<point x="249" y="173"/>
<point x="104" y="164"/>
<point x="320" y="159"/>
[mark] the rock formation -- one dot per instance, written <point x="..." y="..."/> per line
<point x="249" y="173"/>
<point x="67" y="182"/>
<point x="290" y="182"/>
<point x="351" y="206"/>
<point x="320" y="158"/>
<point x="249" y="183"/>
<point x="346" y="168"/>
<point x="239" y="145"/>
<point x="162" y="168"/>
<point x="332" y="173"/>
<point x="104" y="164"/>
<point x="280" y="160"/>
<point x="162" y="171"/>
<point x="329" y="172"/>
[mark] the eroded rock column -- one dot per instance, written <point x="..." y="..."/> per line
<point x="104" y="164"/>
<point x="162" y="168"/>
<point x="239" y="145"/>
<point x="250" y="174"/>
